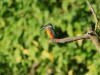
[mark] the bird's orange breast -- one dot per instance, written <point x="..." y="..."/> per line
<point x="49" y="33"/>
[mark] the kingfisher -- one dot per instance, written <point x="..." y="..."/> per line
<point x="50" y="30"/>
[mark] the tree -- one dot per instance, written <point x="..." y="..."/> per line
<point x="91" y="32"/>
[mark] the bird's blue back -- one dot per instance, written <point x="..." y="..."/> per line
<point x="53" y="32"/>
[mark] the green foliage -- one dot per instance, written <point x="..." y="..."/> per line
<point x="23" y="45"/>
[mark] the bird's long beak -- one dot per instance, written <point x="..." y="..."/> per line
<point x="43" y="27"/>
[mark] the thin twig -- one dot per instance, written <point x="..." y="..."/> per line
<point x="33" y="68"/>
<point x="94" y="14"/>
<point x="67" y="40"/>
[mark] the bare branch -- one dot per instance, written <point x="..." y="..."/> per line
<point x="94" y="14"/>
<point x="66" y="40"/>
<point x="89" y="35"/>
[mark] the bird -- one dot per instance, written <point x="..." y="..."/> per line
<point x="50" y="31"/>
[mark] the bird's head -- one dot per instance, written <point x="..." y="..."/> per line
<point x="49" y="25"/>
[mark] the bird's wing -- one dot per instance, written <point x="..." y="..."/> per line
<point x="54" y="33"/>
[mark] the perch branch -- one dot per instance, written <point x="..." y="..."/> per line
<point x="94" y="14"/>
<point x="66" y="40"/>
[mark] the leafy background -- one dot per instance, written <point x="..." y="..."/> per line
<point x="25" y="49"/>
